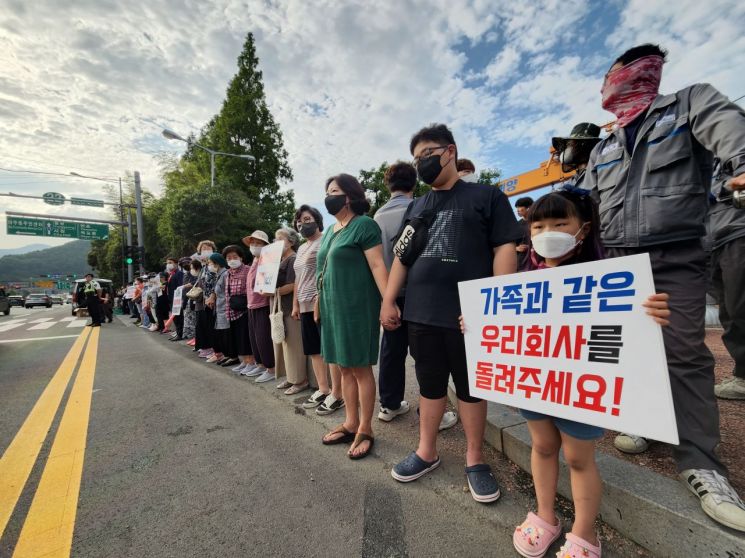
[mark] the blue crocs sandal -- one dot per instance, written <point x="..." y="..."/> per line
<point x="412" y="467"/>
<point x="482" y="484"/>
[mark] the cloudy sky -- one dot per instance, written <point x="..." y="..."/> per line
<point x="87" y="86"/>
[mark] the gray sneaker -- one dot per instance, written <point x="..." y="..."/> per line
<point x="330" y="405"/>
<point x="731" y="388"/>
<point x="253" y="372"/>
<point x="628" y="443"/>
<point x="265" y="377"/>
<point x="449" y="419"/>
<point x="718" y="499"/>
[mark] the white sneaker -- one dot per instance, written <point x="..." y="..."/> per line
<point x="718" y="499"/>
<point x="449" y="419"/>
<point x="315" y="400"/>
<point x="253" y="371"/>
<point x="387" y="415"/>
<point x="240" y="367"/>
<point x="265" y="377"/>
<point x="732" y="388"/>
<point x="628" y="443"/>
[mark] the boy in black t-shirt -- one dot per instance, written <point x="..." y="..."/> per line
<point x="472" y="236"/>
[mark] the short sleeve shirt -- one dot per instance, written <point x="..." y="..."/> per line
<point x="471" y="220"/>
<point x="285" y="276"/>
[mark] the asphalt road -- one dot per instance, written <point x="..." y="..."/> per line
<point x="184" y="459"/>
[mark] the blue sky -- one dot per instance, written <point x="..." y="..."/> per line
<point x="348" y="82"/>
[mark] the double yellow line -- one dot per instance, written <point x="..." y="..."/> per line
<point x="49" y="524"/>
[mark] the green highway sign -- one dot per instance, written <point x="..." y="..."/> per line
<point x="87" y="202"/>
<point x="53" y="198"/>
<point x="32" y="226"/>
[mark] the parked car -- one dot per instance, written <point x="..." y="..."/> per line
<point x="78" y="298"/>
<point x="38" y="300"/>
<point x="57" y="299"/>
<point x="4" y="303"/>
<point x="16" y="300"/>
<point x="68" y="298"/>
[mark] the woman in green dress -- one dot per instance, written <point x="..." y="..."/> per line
<point x="351" y="279"/>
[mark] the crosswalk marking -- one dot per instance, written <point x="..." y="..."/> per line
<point x="40" y="320"/>
<point x="8" y="327"/>
<point x="42" y="325"/>
<point x="77" y="323"/>
<point x="68" y="319"/>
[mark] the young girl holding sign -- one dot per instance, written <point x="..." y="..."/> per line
<point x="563" y="231"/>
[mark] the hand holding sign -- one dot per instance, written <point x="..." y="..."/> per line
<point x="574" y="342"/>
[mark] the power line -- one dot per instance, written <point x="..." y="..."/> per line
<point x="65" y="166"/>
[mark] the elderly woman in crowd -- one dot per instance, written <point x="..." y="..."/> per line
<point x="217" y="302"/>
<point x="352" y="278"/>
<point x="190" y="306"/>
<point x="238" y="347"/>
<point x="291" y="348"/>
<point x="258" y="315"/>
<point x="326" y="399"/>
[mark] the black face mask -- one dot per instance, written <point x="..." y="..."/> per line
<point x="335" y="203"/>
<point x="575" y="155"/>
<point x="429" y="168"/>
<point x="308" y="229"/>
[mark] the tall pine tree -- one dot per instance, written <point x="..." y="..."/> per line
<point x="245" y="125"/>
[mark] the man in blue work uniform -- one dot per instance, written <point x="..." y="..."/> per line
<point x="652" y="176"/>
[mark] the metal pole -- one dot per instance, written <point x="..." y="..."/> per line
<point x="130" y="267"/>
<point x="140" y="225"/>
<point x="212" y="169"/>
<point x="121" y="218"/>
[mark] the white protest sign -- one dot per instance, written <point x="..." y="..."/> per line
<point x="130" y="292"/>
<point x="269" y="260"/>
<point x="572" y="342"/>
<point x="177" y="301"/>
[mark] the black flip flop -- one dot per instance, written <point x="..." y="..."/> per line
<point x="358" y="439"/>
<point x="345" y="439"/>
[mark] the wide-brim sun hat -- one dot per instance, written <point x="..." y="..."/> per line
<point x="258" y="235"/>
<point x="586" y="131"/>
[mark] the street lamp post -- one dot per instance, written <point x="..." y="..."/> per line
<point x="170" y="134"/>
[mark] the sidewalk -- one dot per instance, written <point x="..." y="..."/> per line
<point x="642" y="498"/>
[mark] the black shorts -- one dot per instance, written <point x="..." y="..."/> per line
<point x="310" y="333"/>
<point x="439" y="353"/>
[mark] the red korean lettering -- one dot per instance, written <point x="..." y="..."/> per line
<point x="489" y="336"/>
<point x="590" y="392"/>
<point x="512" y="337"/>
<point x="558" y="387"/>
<point x="531" y="375"/>
<point x="537" y="341"/>
<point x="564" y="346"/>
<point x="504" y="378"/>
<point x="484" y="375"/>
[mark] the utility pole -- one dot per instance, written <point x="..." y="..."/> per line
<point x="140" y="225"/>
<point x="121" y="218"/>
<point x="130" y="267"/>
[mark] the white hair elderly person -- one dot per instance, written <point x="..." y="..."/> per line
<point x="290" y="351"/>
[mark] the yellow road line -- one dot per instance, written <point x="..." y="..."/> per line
<point x="50" y="522"/>
<point x="18" y="460"/>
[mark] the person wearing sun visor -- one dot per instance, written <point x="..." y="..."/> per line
<point x="574" y="151"/>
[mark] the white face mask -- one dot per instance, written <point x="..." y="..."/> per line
<point x="554" y="244"/>
<point x="170" y="266"/>
<point x="205" y="253"/>
<point x="212" y="268"/>
<point x="256" y="250"/>
<point x="193" y="273"/>
<point x="234" y="263"/>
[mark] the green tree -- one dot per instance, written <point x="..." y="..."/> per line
<point x="245" y="125"/>
<point x="489" y="176"/>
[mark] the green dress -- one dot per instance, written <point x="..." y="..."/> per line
<point x="349" y="299"/>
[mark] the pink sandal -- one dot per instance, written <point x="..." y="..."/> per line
<point x="574" y="547"/>
<point x="534" y="537"/>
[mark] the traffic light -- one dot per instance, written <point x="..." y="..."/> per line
<point x="139" y="255"/>
<point x="129" y="259"/>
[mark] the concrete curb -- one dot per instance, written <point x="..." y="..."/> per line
<point x="655" y="512"/>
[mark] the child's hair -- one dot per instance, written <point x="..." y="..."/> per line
<point x="565" y="203"/>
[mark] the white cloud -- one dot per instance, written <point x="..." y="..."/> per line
<point x="86" y="86"/>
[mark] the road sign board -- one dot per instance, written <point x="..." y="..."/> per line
<point x="32" y="226"/>
<point x="54" y="198"/>
<point x="87" y="202"/>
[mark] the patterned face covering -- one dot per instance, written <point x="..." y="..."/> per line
<point x="629" y="90"/>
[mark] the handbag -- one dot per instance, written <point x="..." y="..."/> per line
<point x="194" y="293"/>
<point x="277" y="321"/>
<point x="414" y="235"/>
<point x="238" y="303"/>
